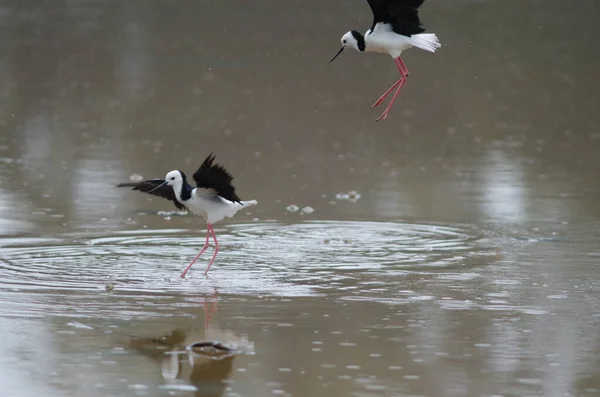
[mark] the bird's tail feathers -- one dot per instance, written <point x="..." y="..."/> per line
<point x="249" y="203"/>
<point x="426" y="41"/>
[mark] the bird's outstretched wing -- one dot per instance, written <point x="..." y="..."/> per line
<point x="215" y="177"/>
<point x="155" y="187"/>
<point x="402" y="15"/>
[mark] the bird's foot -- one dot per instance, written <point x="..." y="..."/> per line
<point x="384" y="114"/>
<point x="385" y="94"/>
<point x="378" y="102"/>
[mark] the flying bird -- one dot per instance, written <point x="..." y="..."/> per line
<point x="396" y="28"/>
<point x="213" y="198"/>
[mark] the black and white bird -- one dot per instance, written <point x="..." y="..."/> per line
<point x="396" y="28"/>
<point x="213" y="198"/>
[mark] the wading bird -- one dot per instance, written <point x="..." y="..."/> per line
<point x="396" y="28"/>
<point x="213" y="198"/>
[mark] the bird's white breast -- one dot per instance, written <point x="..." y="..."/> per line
<point x="384" y="40"/>
<point x="212" y="208"/>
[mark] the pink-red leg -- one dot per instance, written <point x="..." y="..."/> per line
<point x="216" y="248"/>
<point x="382" y="98"/>
<point x="403" y="74"/>
<point x="201" y="252"/>
<point x="387" y="110"/>
<point x="208" y="314"/>
<point x="400" y="62"/>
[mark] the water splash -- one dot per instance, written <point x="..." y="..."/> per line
<point x="347" y="260"/>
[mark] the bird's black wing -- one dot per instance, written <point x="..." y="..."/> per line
<point x="402" y="15"/>
<point x="155" y="187"/>
<point x="215" y="177"/>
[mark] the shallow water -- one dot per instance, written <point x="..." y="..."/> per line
<point x="448" y="251"/>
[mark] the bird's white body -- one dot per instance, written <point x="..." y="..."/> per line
<point x="396" y="28"/>
<point x="384" y="40"/>
<point x="204" y="202"/>
<point x="213" y="198"/>
<point x="214" y="208"/>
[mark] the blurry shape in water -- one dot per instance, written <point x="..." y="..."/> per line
<point x="353" y="196"/>
<point x="304" y="211"/>
<point x="292" y="208"/>
<point x="214" y="197"/>
<point x="171" y="213"/>
<point x="196" y="355"/>
<point x="396" y="28"/>
<point x="136" y="178"/>
<point x="204" y="363"/>
<point x="307" y="210"/>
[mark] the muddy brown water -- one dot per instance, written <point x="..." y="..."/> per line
<point x="465" y="265"/>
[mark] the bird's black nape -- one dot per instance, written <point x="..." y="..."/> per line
<point x="360" y="40"/>
<point x="186" y="189"/>
<point x="215" y="177"/>
<point x="360" y="43"/>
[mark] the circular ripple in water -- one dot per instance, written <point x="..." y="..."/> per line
<point x="67" y="275"/>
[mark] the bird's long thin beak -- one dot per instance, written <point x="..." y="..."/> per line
<point x="162" y="184"/>
<point x="338" y="53"/>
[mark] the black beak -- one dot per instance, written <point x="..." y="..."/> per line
<point x="338" y="53"/>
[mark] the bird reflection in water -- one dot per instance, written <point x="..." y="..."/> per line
<point x="189" y="356"/>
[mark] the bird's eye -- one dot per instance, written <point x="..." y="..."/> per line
<point x="172" y="178"/>
<point x="344" y="42"/>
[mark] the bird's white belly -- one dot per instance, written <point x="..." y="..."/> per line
<point x="387" y="42"/>
<point x="197" y="207"/>
<point x="213" y="209"/>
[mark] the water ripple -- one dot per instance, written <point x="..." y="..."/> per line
<point x="347" y="260"/>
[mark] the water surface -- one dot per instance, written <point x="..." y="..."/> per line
<point x="448" y="251"/>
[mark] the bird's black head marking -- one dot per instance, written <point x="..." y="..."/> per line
<point x="186" y="189"/>
<point x="360" y="40"/>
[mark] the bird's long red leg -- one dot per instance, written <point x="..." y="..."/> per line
<point x="401" y="63"/>
<point x="208" y="314"/>
<point x="387" y="110"/>
<point x="201" y="252"/>
<point x="403" y="74"/>
<point x="381" y="98"/>
<point x="216" y="248"/>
